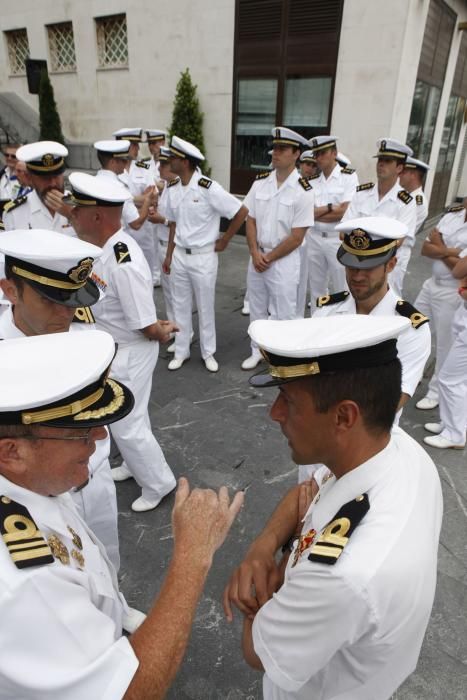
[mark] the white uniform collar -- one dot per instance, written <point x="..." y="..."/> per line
<point x="334" y="173"/>
<point x="384" y="308"/>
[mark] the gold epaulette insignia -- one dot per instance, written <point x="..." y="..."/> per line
<point x="142" y="164"/>
<point x="419" y="199"/>
<point x="122" y="253"/>
<point x="305" y="184"/>
<point x="261" y="176"/>
<point x="365" y="186"/>
<point x="14" y="203"/>
<point x="26" y="544"/>
<point x="455" y="208"/>
<point x="347" y="170"/>
<point x="417" y="319"/>
<point x="331" y="542"/>
<point x="173" y="182"/>
<point x="315" y="176"/>
<point x="329" y="299"/>
<point x="205" y="182"/>
<point x="404" y="196"/>
<point x="83" y="314"/>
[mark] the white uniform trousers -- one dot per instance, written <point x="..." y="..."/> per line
<point x="438" y="300"/>
<point x="97" y="502"/>
<point x="323" y="265"/>
<point x="396" y="277"/>
<point x="452" y="388"/>
<point x="274" y="293"/>
<point x="194" y="274"/>
<point x="134" y="365"/>
<point x="303" y="283"/>
<point x="166" y="281"/>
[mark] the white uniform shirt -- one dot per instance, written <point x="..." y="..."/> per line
<point x="33" y="214"/>
<point x="61" y="633"/>
<point x="453" y="229"/>
<point x="422" y="207"/>
<point x="9" y="184"/>
<point x="413" y="345"/>
<point x="128" y="304"/>
<point x="339" y="187"/>
<point x="139" y="177"/>
<point x="353" y="630"/>
<point x="162" y="231"/>
<point x="197" y="210"/>
<point x="154" y="169"/>
<point x="277" y="210"/>
<point x="367" y="203"/>
<point x="129" y="212"/>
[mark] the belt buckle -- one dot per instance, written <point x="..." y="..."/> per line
<point x="188" y="251"/>
<point x="324" y="234"/>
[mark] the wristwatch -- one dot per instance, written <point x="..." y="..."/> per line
<point x="166" y="222"/>
<point x="329" y="206"/>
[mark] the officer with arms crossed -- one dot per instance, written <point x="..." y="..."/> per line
<point x="280" y="207"/>
<point x="43" y="208"/>
<point x="127" y="311"/>
<point x="340" y="624"/>
<point x="388" y="198"/>
<point x="61" y="634"/>
<point x="195" y="205"/>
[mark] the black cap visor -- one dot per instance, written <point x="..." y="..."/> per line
<point x="87" y="295"/>
<point x="364" y="262"/>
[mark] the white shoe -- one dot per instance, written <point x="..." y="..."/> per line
<point x="171" y="347"/>
<point x="132" y="619"/>
<point x="441" y="443"/>
<point x="426" y="404"/>
<point x="211" y="364"/>
<point x="143" y="504"/>
<point x="252" y="361"/>
<point x="246" y="308"/>
<point x="176" y="363"/>
<point x="435" y="428"/>
<point x="121" y="473"/>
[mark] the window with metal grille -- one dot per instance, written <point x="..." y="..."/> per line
<point x="61" y="47"/>
<point x="18" y="50"/>
<point x="112" y="43"/>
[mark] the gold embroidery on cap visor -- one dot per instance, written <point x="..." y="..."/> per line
<point x="47" y="281"/>
<point x="116" y="403"/>
<point x="81" y="272"/>
<point x="293" y="371"/>
<point x="373" y="251"/>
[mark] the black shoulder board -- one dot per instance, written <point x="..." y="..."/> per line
<point x="146" y="160"/>
<point x="418" y="199"/>
<point x="14" y="203"/>
<point x="2" y="226"/>
<point x="417" y="319"/>
<point x="313" y="177"/>
<point x="142" y="164"/>
<point x="122" y="253"/>
<point x="26" y="544"/>
<point x="404" y="196"/>
<point x="173" y="182"/>
<point x="260" y="176"/>
<point x="330" y="544"/>
<point x="451" y="210"/>
<point x="329" y="299"/>
<point x="365" y="186"/>
<point x="347" y="171"/>
<point x="305" y="184"/>
<point x="205" y="182"/>
<point x="83" y="314"/>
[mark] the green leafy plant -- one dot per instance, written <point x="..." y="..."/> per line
<point x="49" y="118"/>
<point x="187" y="117"/>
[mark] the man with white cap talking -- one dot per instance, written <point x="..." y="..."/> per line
<point x="368" y="254"/>
<point x="388" y="198"/>
<point x="336" y="622"/>
<point x="61" y="609"/>
<point x="195" y="205"/>
<point x="280" y="207"/>
<point x="42" y="208"/>
<point x="127" y="311"/>
<point x="334" y="187"/>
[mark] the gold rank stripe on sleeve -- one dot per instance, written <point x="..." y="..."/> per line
<point x="305" y="184"/>
<point x="25" y="542"/>
<point x="365" y="186"/>
<point x="334" y="538"/>
<point x="122" y="254"/>
<point x="404" y="196"/>
<point x="14" y="203"/>
<point x="83" y="314"/>
<point x="205" y="182"/>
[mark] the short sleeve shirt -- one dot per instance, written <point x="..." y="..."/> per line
<point x="197" y="209"/>
<point x="354" y="629"/>
<point x="278" y="210"/>
<point x="339" y="187"/>
<point x="413" y="345"/>
<point x="453" y="229"/>
<point x="61" y="634"/>
<point x="127" y="304"/>
<point x="366" y="202"/>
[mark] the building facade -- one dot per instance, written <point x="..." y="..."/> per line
<point x="356" y="69"/>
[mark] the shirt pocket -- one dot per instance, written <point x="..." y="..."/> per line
<point x="285" y="213"/>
